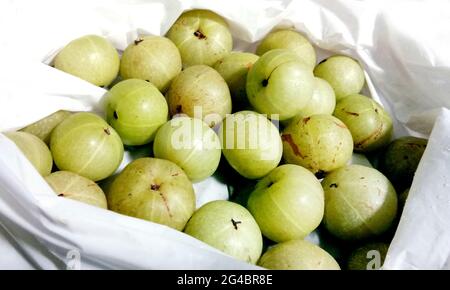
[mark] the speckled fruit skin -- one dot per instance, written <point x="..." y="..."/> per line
<point x="34" y="150"/>
<point x="343" y="73"/>
<point x="203" y="87"/>
<point x="73" y="186"/>
<point x="85" y="144"/>
<point x="360" y="202"/>
<point x="136" y="109"/>
<point x="400" y="160"/>
<point x="234" y="68"/>
<point x="297" y="255"/>
<point x="320" y="143"/>
<point x="155" y="190"/>
<point x="154" y="59"/>
<point x="288" y="203"/>
<point x="190" y="144"/>
<point x="279" y="83"/>
<point x="253" y="153"/>
<point x="91" y="58"/>
<point x="359" y="260"/>
<point x="44" y="127"/>
<point x="370" y="125"/>
<point x="323" y="100"/>
<point x="228" y="227"/>
<point x="291" y="40"/>
<point x="202" y="37"/>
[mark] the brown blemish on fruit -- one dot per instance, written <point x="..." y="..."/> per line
<point x="306" y="120"/>
<point x="288" y="138"/>
<point x="249" y="65"/>
<point x="176" y="174"/>
<point x="199" y="35"/>
<point x="107" y="131"/>
<point x="115" y="116"/>
<point x="155" y="186"/>
<point x="351" y="113"/>
<point x="235" y="223"/>
<point x="137" y="41"/>
<point x="165" y="203"/>
<point x="374" y="135"/>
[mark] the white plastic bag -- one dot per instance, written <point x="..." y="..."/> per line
<point x="403" y="46"/>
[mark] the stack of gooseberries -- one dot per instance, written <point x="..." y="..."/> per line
<point x="282" y="122"/>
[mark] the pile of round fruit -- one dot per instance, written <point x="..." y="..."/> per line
<point x="278" y="119"/>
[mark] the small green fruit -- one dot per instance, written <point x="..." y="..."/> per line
<point x="91" y="58"/>
<point x="291" y="40"/>
<point x="343" y="73"/>
<point x="136" y="109"/>
<point x="360" y="202"/>
<point x="73" y="186"/>
<point x="370" y="125"/>
<point x="228" y="227"/>
<point x="297" y="255"/>
<point x="288" y="203"/>
<point x="155" y="190"/>
<point x="34" y="150"/>
<point x="151" y="58"/>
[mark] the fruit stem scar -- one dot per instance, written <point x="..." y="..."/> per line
<point x="333" y="185"/>
<point x="199" y="34"/>
<point x="235" y="223"/>
<point x="155" y="186"/>
<point x="107" y="131"/>
<point x="115" y="116"/>
<point x="288" y="138"/>
<point x="61" y="194"/>
<point x="137" y="41"/>
<point x="178" y="109"/>
<point x="265" y="82"/>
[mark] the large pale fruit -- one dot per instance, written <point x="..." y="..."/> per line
<point x="91" y="58"/>
<point x="297" y="255"/>
<point x="190" y="144"/>
<point x="250" y="143"/>
<point x="136" y="109"/>
<point x="279" y="84"/>
<point x="152" y="58"/>
<point x="288" y="203"/>
<point x="343" y="73"/>
<point x="155" y="190"/>
<point x="370" y="125"/>
<point x="200" y="92"/>
<point x="360" y="202"/>
<point x="228" y="227"/>
<point x="73" y="186"/>
<point x="85" y="144"/>
<point x="34" y="150"/>
<point x="201" y="36"/>
<point x="291" y="40"/>
<point x="320" y="143"/>
<point x="323" y="100"/>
